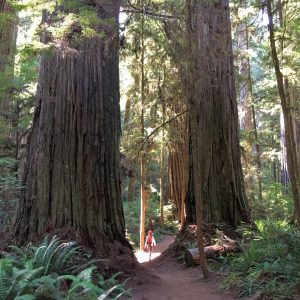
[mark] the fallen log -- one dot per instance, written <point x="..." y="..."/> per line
<point x="223" y="246"/>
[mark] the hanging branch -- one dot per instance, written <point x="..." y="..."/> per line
<point x="157" y="129"/>
<point x="144" y="141"/>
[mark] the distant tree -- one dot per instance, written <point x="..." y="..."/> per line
<point x="286" y="104"/>
<point x="8" y="36"/>
<point x="71" y="176"/>
<point x="247" y="113"/>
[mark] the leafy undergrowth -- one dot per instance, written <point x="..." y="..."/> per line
<point x="270" y="266"/>
<point x="44" y="272"/>
<point x="132" y="220"/>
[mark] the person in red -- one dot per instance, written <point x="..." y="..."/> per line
<point x="150" y="241"/>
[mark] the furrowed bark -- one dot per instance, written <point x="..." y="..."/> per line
<point x="72" y="172"/>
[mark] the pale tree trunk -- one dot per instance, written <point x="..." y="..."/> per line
<point x="143" y="159"/>
<point x="284" y="174"/>
<point x="283" y="90"/>
<point x="161" y="181"/>
<point x="162" y="167"/>
<point x="257" y="154"/>
<point x="8" y="37"/>
<point x="295" y="103"/>
<point x="72" y="172"/>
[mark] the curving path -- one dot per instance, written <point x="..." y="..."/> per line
<point x="172" y="280"/>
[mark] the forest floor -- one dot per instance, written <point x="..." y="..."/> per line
<point x="165" y="278"/>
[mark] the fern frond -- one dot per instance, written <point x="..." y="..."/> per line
<point x="88" y="288"/>
<point x="38" y="257"/>
<point x="5" y="276"/>
<point x="51" y="265"/>
<point x="87" y="274"/>
<point x="25" y="297"/>
<point x="63" y="256"/>
<point x="50" y="250"/>
<point x="123" y="293"/>
<point x="108" y="292"/>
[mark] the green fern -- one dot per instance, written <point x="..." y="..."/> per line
<point x="38" y="256"/>
<point x="25" y="297"/>
<point x="50" y="251"/>
<point x="5" y="275"/>
<point x="54" y="255"/>
<point x="68" y="251"/>
<point x="33" y="273"/>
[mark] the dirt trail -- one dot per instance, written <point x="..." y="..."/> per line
<point x="168" y="279"/>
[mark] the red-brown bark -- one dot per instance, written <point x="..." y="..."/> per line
<point x="72" y="169"/>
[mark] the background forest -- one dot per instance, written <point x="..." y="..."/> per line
<point x="179" y="159"/>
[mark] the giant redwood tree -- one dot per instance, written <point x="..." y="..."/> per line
<point x="71" y="176"/>
<point x="217" y="171"/>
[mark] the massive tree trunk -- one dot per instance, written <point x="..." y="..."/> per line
<point x="8" y="36"/>
<point x="217" y="171"/>
<point x="72" y="169"/>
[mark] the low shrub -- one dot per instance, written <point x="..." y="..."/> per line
<point x="270" y="264"/>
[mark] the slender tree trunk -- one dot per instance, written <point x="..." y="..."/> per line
<point x="284" y="174"/>
<point x="283" y="90"/>
<point x="72" y="172"/>
<point x="295" y="103"/>
<point x="257" y="153"/>
<point x="162" y="168"/>
<point x="143" y="160"/>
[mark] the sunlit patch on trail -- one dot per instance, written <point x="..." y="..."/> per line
<point x="161" y="246"/>
<point x="143" y="256"/>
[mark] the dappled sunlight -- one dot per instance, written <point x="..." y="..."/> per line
<point x="143" y="256"/>
<point x="161" y="246"/>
